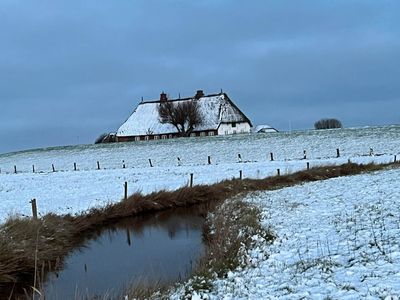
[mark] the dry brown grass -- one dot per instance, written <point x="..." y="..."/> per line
<point x="29" y="248"/>
<point x="27" y="245"/>
<point x="232" y="226"/>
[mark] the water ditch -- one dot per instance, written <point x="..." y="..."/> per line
<point x="140" y="251"/>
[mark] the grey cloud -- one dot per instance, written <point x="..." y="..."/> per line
<point x="78" y="68"/>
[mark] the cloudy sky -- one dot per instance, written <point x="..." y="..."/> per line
<point x="70" y="70"/>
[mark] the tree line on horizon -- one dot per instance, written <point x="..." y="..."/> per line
<point x="328" y="124"/>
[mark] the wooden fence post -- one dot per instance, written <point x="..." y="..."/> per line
<point x="151" y="164"/>
<point x="337" y="153"/>
<point x="272" y="156"/>
<point x="33" y="168"/>
<point x="98" y="165"/>
<point x="34" y="209"/>
<point x="126" y="190"/>
<point x="15" y="169"/>
<point x="123" y="164"/>
<point x="395" y="159"/>
<point x="239" y="158"/>
<point x="278" y="172"/>
<point x="209" y="160"/>
<point x="241" y="174"/>
<point x="74" y="166"/>
<point x="371" y="151"/>
<point x="308" y="166"/>
<point x="191" y="180"/>
<point x="304" y="154"/>
<point x="52" y="166"/>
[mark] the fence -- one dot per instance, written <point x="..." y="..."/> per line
<point x="151" y="163"/>
<point x="191" y="181"/>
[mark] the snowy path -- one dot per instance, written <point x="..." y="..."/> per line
<point x="337" y="239"/>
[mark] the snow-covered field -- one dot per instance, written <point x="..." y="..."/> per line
<point x="69" y="191"/>
<point x="336" y="239"/>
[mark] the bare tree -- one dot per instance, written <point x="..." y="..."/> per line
<point x="184" y="115"/>
<point x="327" y="124"/>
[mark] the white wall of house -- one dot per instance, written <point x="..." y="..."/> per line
<point x="233" y="128"/>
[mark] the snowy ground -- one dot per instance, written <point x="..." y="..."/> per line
<point x="68" y="191"/>
<point x="336" y="239"/>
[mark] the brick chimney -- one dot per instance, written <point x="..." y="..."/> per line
<point x="163" y="97"/>
<point x="199" y="94"/>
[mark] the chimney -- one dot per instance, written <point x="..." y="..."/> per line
<point x="163" y="97"/>
<point x="199" y="94"/>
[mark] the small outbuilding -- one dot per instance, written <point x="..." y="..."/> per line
<point x="264" y="129"/>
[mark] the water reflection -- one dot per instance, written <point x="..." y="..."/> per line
<point x="160" y="248"/>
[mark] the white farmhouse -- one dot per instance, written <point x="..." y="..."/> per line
<point x="220" y="117"/>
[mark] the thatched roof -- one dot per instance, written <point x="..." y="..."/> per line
<point x="215" y="109"/>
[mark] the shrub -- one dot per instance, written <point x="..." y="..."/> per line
<point x="328" y="124"/>
<point x="100" y="138"/>
<point x="105" y="138"/>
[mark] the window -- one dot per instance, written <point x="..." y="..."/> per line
<point x="156" y="137"/>
<point x="234" y="132"/>
<point x="164" y="136"/>
<point x="202" y="134"/>
<point x="233" y="124"/>
<point x="137" y="138"/>
<point x="146" y="138"/>
<point x="226" y="131"/>
<point x="210" y="133"/>
<point x="170" y="136"/>
<point x="193" y="134"/>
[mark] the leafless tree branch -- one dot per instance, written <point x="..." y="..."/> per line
<point x="185" y="115"/>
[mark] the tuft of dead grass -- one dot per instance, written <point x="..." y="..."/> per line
<point x="30" y="248"/>
<point x="230" y="231"/>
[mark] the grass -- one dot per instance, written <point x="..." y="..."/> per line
<point x="28" y="246"/>
<point x="229" y="234"/>
<point x="231" y="227"/>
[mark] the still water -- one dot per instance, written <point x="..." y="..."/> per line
<point x="163" y="247"/>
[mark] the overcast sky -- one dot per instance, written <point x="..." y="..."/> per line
<point x="70" y="70"/>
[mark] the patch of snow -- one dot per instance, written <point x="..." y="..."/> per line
<point x="336" y="239"/>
